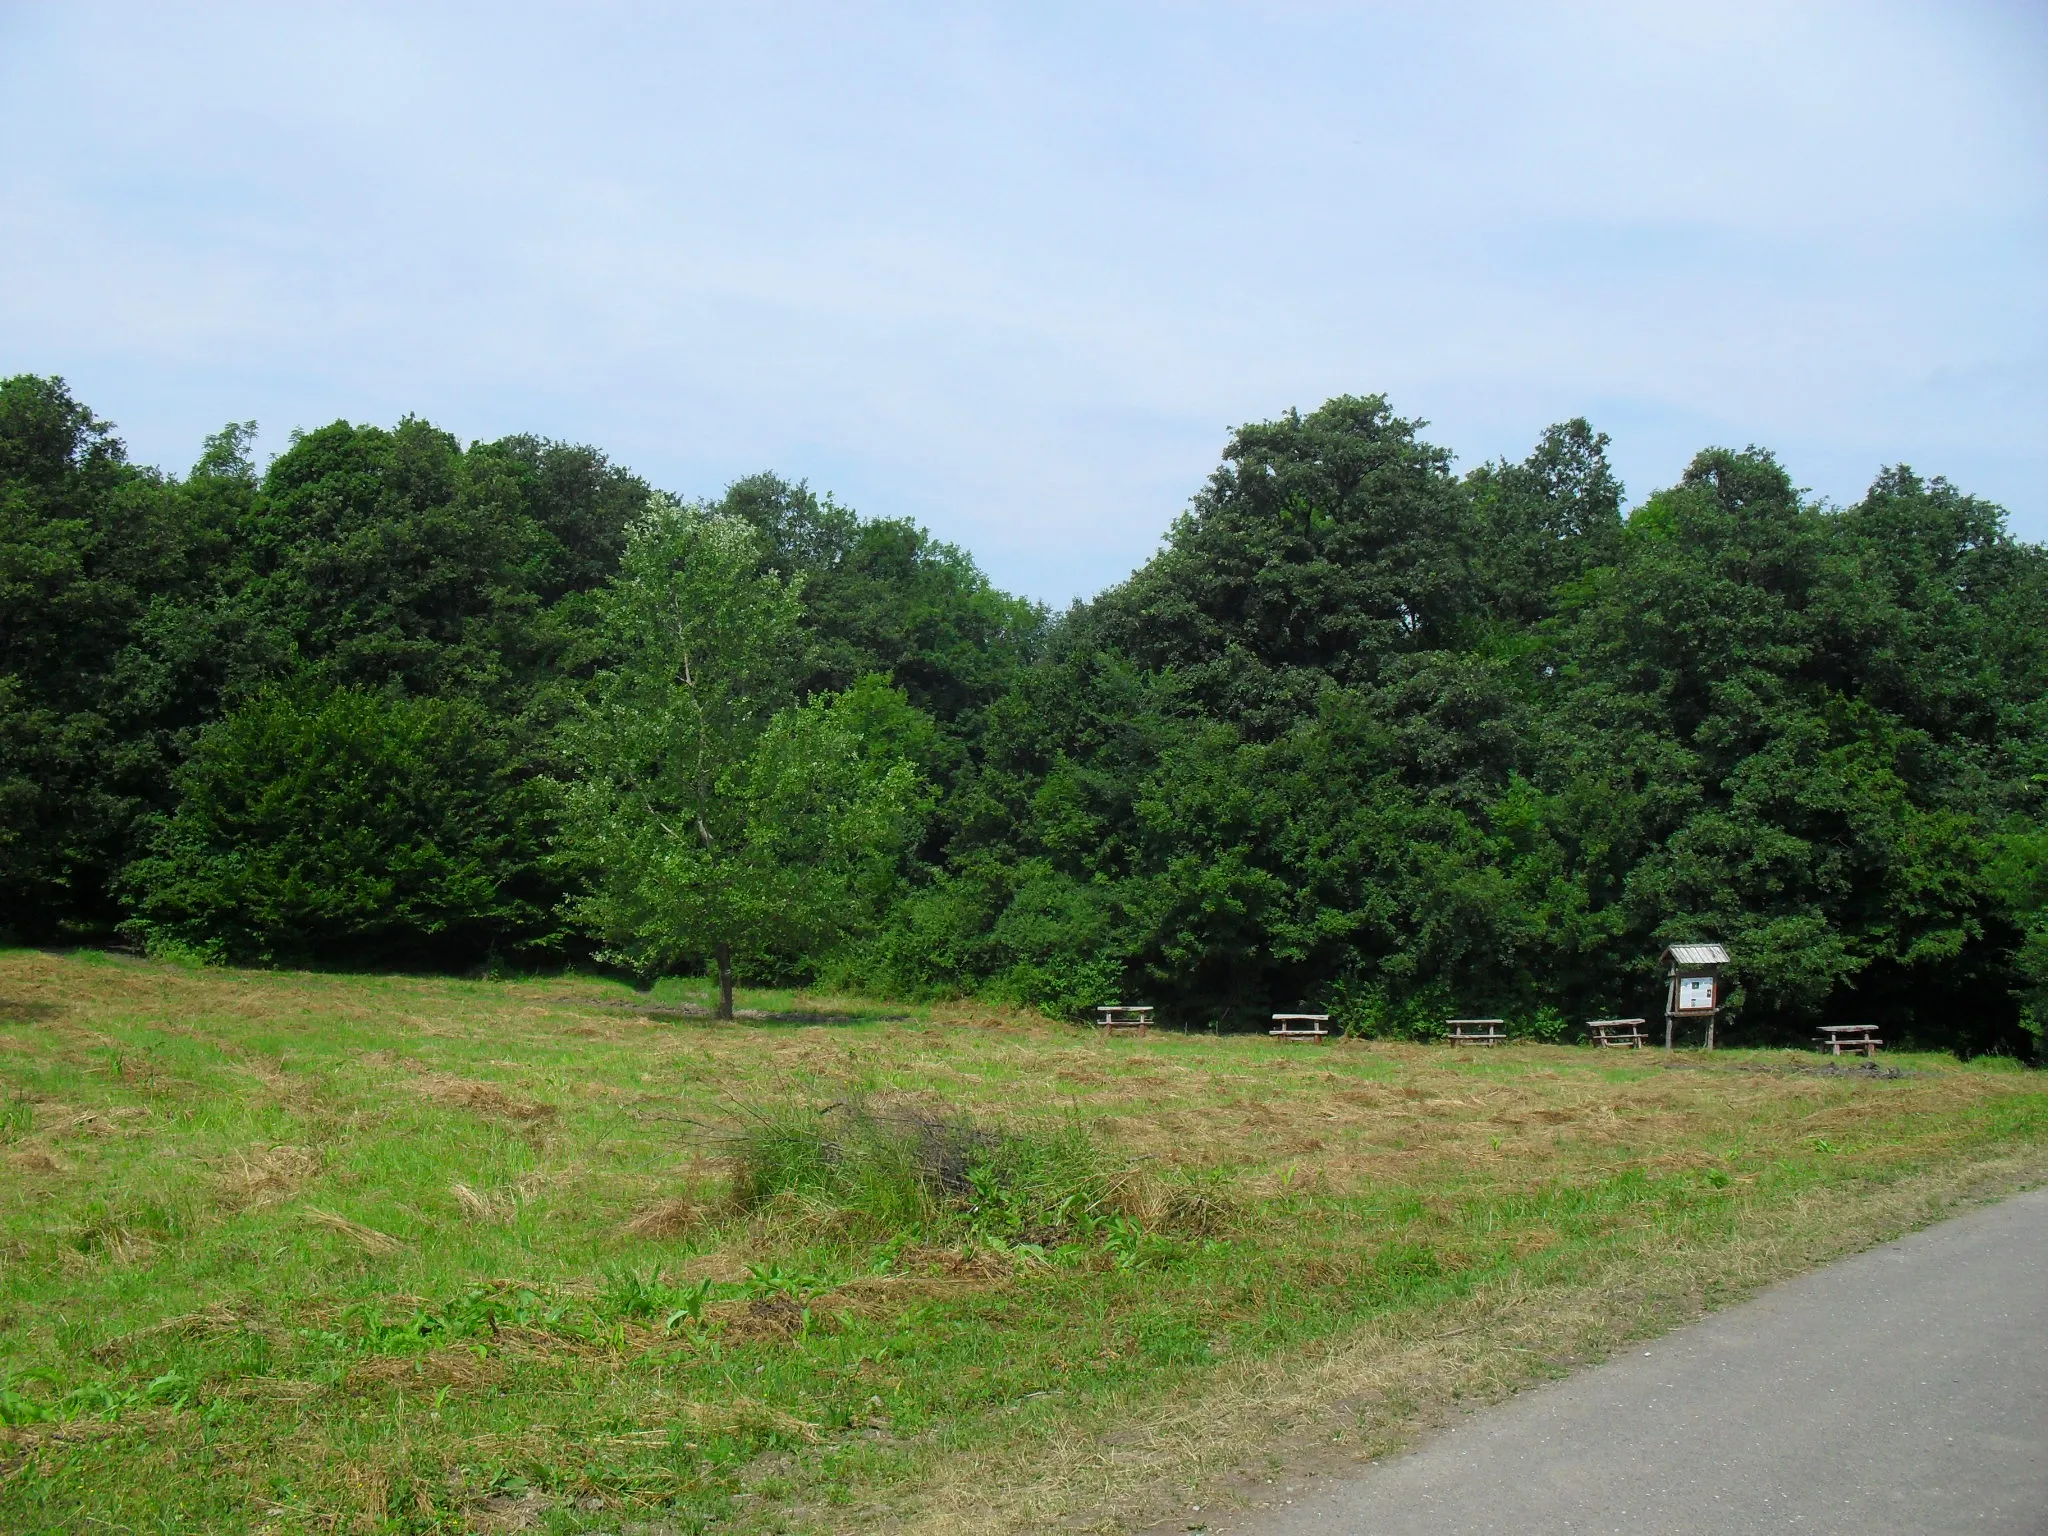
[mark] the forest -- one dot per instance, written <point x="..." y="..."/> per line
<point x="1367" y="733"/>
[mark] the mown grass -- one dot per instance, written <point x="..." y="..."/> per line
<point x="307" y="1253"/>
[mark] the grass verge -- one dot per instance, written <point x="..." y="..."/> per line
<point x="297" y="1253"/>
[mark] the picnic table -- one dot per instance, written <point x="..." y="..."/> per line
<point x="1115" y="1016"/>
<point x="1850" y="1037"/>
<point x="1300" y="1026"/>
<point x="1623" y="1034"/>
<point x="1477" y="1031"/>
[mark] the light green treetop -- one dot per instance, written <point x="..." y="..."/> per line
<point x="719" y="816"/>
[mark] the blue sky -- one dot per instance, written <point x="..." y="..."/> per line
<point x="1016" y="271"/>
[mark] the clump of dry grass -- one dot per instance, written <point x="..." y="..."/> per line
<point x="217" y="1321"/>
<point x="265" y="1177"/>
<point x="496" y="1208"/>
<point x="485" y="1098"/>
<point x="742" y="1415"/>
<point x="369" y="1239"/>
<point x="1169" y="1200"/>
<point x="666" y="1218"/>
<point x="1203" y="1210"/>
<point x="453" y="1367"/>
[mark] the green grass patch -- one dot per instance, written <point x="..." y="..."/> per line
<point x="316" y="1253"/>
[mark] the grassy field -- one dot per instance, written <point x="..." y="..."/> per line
<point x="292" y="1252"/>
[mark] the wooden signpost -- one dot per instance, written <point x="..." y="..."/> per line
<point x="1694" y="972"/>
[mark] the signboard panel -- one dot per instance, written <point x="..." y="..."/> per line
<point x="1695" y="994"/>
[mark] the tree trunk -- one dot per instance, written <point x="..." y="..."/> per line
<point x="724" y="980"/>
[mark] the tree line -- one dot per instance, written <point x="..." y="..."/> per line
<point x="1366" y="733"/>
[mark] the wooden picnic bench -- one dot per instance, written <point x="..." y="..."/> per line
<point x="1300" y="1026"/>
<point x="1850" y="1037"/>
<point x="1623" y="1034"/>
<point x="1115" y="1016"/>
<point x="1477" y="1031"/>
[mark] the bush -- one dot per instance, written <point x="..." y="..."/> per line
<point x="1544" y="1024"/>
<point x="351" y="827"/>
<point x="1368" y="1011"/>
<point x="907" y="1171"/>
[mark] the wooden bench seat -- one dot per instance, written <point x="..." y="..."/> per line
<point x="1300" y="1026"/>
<point x="1625" y="1034"/>
<point x="1477" y="1031"/>
<point x="1115" y="1016"/>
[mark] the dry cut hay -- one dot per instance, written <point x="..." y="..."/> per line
<point x="453" y="1367"/>
<point x="1172" y="1204"/>
<point x="265" y="1177"/>
<point x="501" y="1206"/>
<point x="506" y="1512"/>
<point x="369" y="1239"/>
<point x="743" y="1415"/>
<point x="217" y="1321"/>
<point x="667" y="1218"/>
<point x="485" y="1098"/>
<point x="725" y="1268"/>
<point x="496" y="1208"/>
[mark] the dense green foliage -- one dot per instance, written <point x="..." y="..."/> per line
<point x="713" y="811"/>
<point x="387" y="828"/>
<point x="1365" y="733"/>
<point x="140" y="615"/>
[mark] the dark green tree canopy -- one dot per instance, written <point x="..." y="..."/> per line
<point x="349" y="828"/>
<point x="1323" y="544"/>
<point x="88" y="543"/>
<point x="1365" y="733"/>
<point x="882" y="595"/>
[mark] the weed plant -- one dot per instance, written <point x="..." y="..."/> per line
<point x="932" y="1176"/>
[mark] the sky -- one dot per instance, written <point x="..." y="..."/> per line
<point x="1016" y="271"/>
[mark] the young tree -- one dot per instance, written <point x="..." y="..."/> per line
<point x="715" y="815"/>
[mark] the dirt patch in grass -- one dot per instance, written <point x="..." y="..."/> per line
<point x="19" y="1010"/>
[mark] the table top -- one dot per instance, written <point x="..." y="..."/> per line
<point x="1843" y="1029"/>
<point x="1123" y="1008"/>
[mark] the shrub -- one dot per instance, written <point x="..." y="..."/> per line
<point x="908" y="1171"/>
<point x="1544" y="1023"/>
<point x="349" y="827"/>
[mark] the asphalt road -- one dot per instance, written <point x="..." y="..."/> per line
<point x="1904" y="1390"/>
